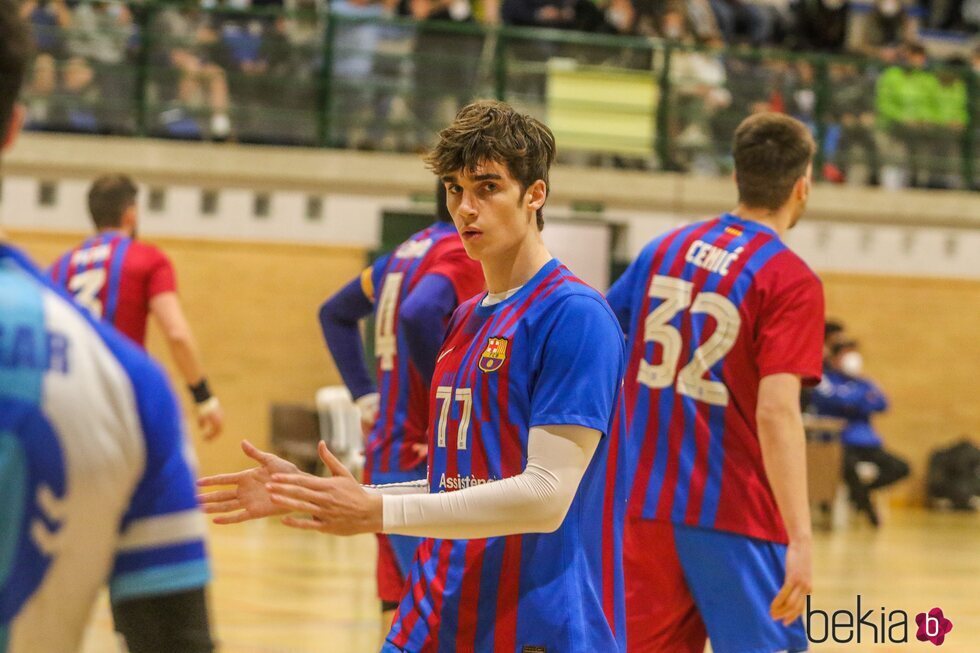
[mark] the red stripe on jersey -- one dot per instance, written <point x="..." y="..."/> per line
<point x="748" y="489"/>
<point x="702" y="411"/>
<point x="417" y="589"/>
<point x="641" y="480"/>
<point x="469" y="595"/>
<point x="609" y="517"/>
<point x="508" y="596"/>
<point x="438" y="592"/>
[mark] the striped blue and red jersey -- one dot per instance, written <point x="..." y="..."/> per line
<point x="114" y="277"/>
<point x="403" y="412"/>
<point x="710" y="309"/>
<point x="550" y="354"/>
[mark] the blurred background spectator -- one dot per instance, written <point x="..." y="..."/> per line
<point x="845" y="393"/>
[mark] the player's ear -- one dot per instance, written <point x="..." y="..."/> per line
<point x="536" y="194"/>
<point x="16" y="122"/>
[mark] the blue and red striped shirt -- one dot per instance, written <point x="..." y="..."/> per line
<point x="114" y="277"/>
<point x="550" y="354"/>
<point x="403" y="412"/>
<point x="710" y="309"/>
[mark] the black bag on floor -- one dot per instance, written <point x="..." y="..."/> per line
<point x="954" y="476"/>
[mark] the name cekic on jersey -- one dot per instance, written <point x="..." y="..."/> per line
<point x="21" y="347"/>
<point x="711" y="258"/>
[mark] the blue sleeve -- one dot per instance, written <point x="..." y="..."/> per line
<point x="622" y="294"/>
<point x="338" y="321"/>
<point x="423" y="316"/>
<point x="582" y="360"/>
<point x="851" y="399"/>
<point x="161" y="546"/>
<point x="875" y="400"/>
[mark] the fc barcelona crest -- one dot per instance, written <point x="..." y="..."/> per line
<point x="494" y="355"/>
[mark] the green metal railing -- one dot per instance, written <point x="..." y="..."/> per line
<point x="368" y="82"/>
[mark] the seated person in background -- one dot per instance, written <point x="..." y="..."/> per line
<point x="843" y="392"/>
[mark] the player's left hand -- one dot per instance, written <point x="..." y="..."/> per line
<point x="791" y="600"/>
<point x="210" y="418"/>
<point x="337" y="505"/>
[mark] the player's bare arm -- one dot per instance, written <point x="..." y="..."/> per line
<point x="169" y="316"/>
<point x="783" y="446"/>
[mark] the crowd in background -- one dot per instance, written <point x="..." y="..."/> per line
<point x="252" y="70"/>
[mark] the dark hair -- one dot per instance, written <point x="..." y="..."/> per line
<point x="493" y="131"/>
<point x="15" y="50"/>
<point x="831" y="328"/>
<point x="442" y="211"/>
<point x="915" y="49"/>
<point x="772" y="151"/>
<point x="109" y="198"/>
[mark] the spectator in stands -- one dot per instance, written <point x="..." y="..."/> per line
<point x="699" y="82"/>
<point x="356" y="44"/>
<point x="446" y="63"/>
<point x="64" y="100"/>
<point x="851" y="121"/>
<point x="946" y="117"/>
<point x="657" y="18"/>
<point x="559" y="14"/>
<point x="845" y="393"/>
<point x="188" y="43"/>
<point x="903" y="95"/>
<point x="743" y="20"/>
<point x="890" y="23"/>
<point x="101" y="32"/>
<point x="820" y="25"/>
<point x="49" y="21"/>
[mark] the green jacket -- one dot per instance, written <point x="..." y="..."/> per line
<point x="903" y="96"/>
<point x="947" y="104"/>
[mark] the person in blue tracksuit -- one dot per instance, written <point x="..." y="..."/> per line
<point x="844" y="392"/>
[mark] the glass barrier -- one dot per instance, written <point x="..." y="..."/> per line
<point x="355" y="79"/>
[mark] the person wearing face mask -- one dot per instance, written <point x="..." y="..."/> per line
<point x="845" y="393"/>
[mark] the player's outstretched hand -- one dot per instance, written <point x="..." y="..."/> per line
<point x="791" y="600"/>
<point x="248" y="499"/>
<point x="337" y="505"/>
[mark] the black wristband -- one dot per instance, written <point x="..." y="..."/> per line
<point x="201" y="391"/>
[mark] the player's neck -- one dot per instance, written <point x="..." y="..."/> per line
<point x="778" y="220"/>
<point x="113" y="231"/>
<point x="516" y="268"/>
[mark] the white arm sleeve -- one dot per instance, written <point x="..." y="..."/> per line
<point x="534" y="501"/>
<point x="420" y="486"/>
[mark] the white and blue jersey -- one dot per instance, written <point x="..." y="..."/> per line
<point x="96" y="487"/>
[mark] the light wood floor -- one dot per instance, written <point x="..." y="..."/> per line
<point x="283" y="591"/>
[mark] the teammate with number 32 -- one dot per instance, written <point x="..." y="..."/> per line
<point x="724" y="322"/>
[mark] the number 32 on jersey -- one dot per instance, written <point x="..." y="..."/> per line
<point x="676" y="296"/>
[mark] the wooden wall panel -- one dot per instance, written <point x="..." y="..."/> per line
<point x="921" y="342"/>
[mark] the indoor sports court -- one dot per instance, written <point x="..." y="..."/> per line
<point x="278" y="153"/>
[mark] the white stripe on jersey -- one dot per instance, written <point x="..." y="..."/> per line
<point x="92" y="410"/>
<point x="154" y="532"/>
